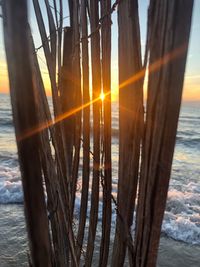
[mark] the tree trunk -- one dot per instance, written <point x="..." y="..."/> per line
<point x="67" y="95"/>
<point x="107" y="179"/>
<point x="96" y="90"/>
<point x="25" y="119"/>
<point x="77" y="97"/>
<point x="130" y="125"/>
<point x="170" y="23"/>
<point x="86" y="130"/>
<point x="48" y="163"/>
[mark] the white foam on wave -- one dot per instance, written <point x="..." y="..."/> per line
<point x="10" y="185"/>
<point x="9" y="173"/>
<point x="11" y="192"/>
<point x="182" y="215"/>
<point x="182" y="228"/>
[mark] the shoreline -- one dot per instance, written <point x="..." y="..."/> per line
<point x="13" y="244"/>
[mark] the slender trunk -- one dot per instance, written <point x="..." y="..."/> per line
<point x="59" y="128"/>
<point x="96" y="86"/>
<point x="130" y="126"/>
<point x="107" y="180"/>
<point x="59" y="52"/>
<point x="25" y="118"/>
<point x="86" y="131"/>
<point x="170" y="23"/>
<point x="70" y="5"/>
<point x="77" y="98"/>
<point x="53" y="34"/>
<point x="67" y="95"/>
<point x="48" y="163"/>
<point x="63" y="171"/>
<point x="48" y="56"/>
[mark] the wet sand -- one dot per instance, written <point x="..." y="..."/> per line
<point x="177" y="254"/>
<point x="13" y="244"/>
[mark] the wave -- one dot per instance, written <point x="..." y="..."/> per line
<point x="9" y="173"/>
<point x="8" y="158"/>
<point x="183" y="137"/>
<point x="193" y="117"/>
<point x="182" y="216"/>
<point x="6" y="121"/>
<point x="182" y="229"/>
<point x="11" y="192"/>
<point x="188" y="141"/>
<point x="188" y="133"/>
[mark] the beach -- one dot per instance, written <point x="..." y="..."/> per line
<point x="13" y="243"/>
<point x="180" y="242"/>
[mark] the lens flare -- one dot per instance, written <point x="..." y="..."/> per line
<point x="102" y="96"/>
<point x="176" y="53"/>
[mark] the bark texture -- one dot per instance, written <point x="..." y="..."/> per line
<point x="130" y="125"/>
<point x="49" y="146"/>
<point x="96" y="90"/>
<point x="106" y="114"/>
<point x="23" y="99"/>
<point x="86" y="129"/>
<point x="170" y="23"/>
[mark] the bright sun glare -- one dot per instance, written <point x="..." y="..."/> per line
<point x="102" y="96"/>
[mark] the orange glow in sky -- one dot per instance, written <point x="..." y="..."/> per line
<point x="191" y="90"/>
<point x="153" y="67"/>
<point x="192" y="78"/>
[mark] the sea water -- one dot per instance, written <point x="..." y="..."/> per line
<point x="182" y="216"/>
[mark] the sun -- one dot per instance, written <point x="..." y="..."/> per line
<point x="102" y="96"/>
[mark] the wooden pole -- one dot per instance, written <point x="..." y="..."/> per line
<point x="96" y="90"/>
<point x="63" y="170"/>
<point x="107" y="179"/>
<point x="70" y="5"/>
<point x="25" y="118"/>
<point x="48" y="56"/>
<point x="60" y="34"/>
<point x="67" y="95"/>
<point x="53" y="34"/>
<point x="130" y="125"/>
<point x="77" y="96"/>
<point x="86" y="130"/>
<point x="59" y="129"/>
<point x="170" y="23"/>
<point x="49" y="166"/>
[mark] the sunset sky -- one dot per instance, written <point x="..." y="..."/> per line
<point x="192" y="75"/>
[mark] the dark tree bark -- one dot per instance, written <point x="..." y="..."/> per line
<point x="86" y="129"/>
<point x="170" y="23"/>
<point x="96" y="86"/>
<point x="107" y="179"/>
<point x="77" y="97"/>
<point x="130" y="125"/>
<point x="52" y="243"/>
<point x="67" y="95"/>
<point x="49" y="166"/>
<point x="25" y="119"/>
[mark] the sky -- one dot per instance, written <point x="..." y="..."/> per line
<point x="191" y="90"/>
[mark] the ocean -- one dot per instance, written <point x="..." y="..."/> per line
<point x="181" y="226"/>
